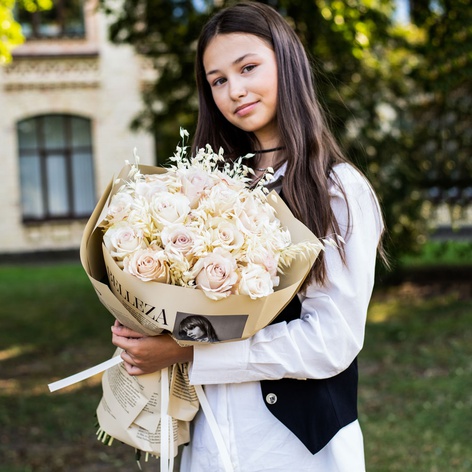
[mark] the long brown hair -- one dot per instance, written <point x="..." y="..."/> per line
<point x="311" y="149"/>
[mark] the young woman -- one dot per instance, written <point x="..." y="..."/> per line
<point x="285" y="399"/>
<point x="197" y="328"/>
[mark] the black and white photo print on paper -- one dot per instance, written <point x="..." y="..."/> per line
<point x="208" y="328"/>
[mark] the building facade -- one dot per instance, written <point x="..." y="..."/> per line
<point x="66" y="103"/>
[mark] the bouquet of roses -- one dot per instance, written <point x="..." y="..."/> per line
<point x="200" y="226"/>
<point x="167" y="246"/>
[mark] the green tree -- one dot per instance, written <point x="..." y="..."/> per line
<point x="443" y="138"/>
<point x="10" y="31"/>
<point x="363" y="60"/>
<point x="371" y="77"/>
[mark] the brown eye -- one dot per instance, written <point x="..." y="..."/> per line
<point x="219" y="81"/>
<point x="249" y="68"/>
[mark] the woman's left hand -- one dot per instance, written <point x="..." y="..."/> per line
<point x="146" y="354"/>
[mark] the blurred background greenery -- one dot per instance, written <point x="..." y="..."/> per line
<point x="395" y="77"/>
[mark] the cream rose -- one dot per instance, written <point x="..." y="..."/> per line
<point x="216" y="274"/>
<point x="120" y="207"/>
<point x="148" y="188"/>
<point x="230" y="182"/>
<point x="122" y="239"/>
<point x="221" y="199"/>
<point x="267" y="259"/>
<point x="169" y="208"/>
<point x="225" y="234"/>
<point x="148" y="264"/>
<point x="255" y="281"/>
<point x="178" y="239"/>
<point x="194" y="184"/>
<point x="255" y="218"/>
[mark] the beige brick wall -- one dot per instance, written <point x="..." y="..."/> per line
<point x="90" y="78"/>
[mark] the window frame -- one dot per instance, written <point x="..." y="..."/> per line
<point x="35" y="22"/>
<point x="43" y="151"/>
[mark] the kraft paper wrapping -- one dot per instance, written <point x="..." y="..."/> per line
<point x="152" y="308"/>
<point x="130" y="409"/>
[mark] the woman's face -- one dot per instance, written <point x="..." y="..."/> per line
<point x="242" y="72"/>
<point x="194" y="332"/>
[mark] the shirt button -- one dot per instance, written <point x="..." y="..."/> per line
<point x="271" y="398"/>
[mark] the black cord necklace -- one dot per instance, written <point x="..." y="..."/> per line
<point x="263" y="151"/>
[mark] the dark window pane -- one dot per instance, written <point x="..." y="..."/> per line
<point x="50" y="23"/>
<point x="54" y="132"/>
<point x="57" y="185"/>
<point x="31" y="187"/>
<point x="83" y="192"/>
<point x="74" y="18"/>
<point x="64" y="19"/>
<point x="27" y="134"/>
<point x="81" y="135"/>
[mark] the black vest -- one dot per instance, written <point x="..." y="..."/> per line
<point x="314" y="410"/>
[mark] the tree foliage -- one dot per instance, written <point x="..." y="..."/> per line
<point x="443" y="134"/>
<point x="10" y="31"/>
<point x="379" y="81"/>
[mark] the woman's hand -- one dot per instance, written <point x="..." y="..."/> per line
<point x="146" y="354"/>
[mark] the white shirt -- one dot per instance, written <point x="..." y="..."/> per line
<point x="322" y="343"/>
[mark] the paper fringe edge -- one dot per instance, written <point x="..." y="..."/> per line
<point x="107" y="439"/>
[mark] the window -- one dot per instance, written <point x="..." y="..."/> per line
<point x="56" y="167"/>
<point x="64" y="20"/>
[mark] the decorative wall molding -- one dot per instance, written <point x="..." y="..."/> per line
<point x="51" y="73"/>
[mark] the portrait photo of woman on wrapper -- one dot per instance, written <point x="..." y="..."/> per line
<point x="285" y="398"/>
<point x="197" y="328"/>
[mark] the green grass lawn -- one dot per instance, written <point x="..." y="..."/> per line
<point x="416" y="381"/>
<point x="415" y="386"/>
<point x="443" y="253"/>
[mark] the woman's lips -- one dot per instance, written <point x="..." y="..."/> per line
<point x="245" y="109"/>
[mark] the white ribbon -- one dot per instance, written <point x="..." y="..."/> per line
<point x="85" y="374"/>
<point x="167" y="432"/>
<point x="167" y="436"/>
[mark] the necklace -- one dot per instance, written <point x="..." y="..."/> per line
<point x="262" y="151"/>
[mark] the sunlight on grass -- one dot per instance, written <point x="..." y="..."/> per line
<point x="16" y="351"/>
<point x="15" y="386"/>
<point x="392" y="304"/>
<point x="380" y="312"/>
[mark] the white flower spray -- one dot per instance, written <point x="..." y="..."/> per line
<point x="199" y="225"/>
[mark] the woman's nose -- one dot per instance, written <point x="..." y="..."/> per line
<point x="236" y="89"/>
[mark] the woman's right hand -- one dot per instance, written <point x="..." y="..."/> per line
<point x="146" y="354"/>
